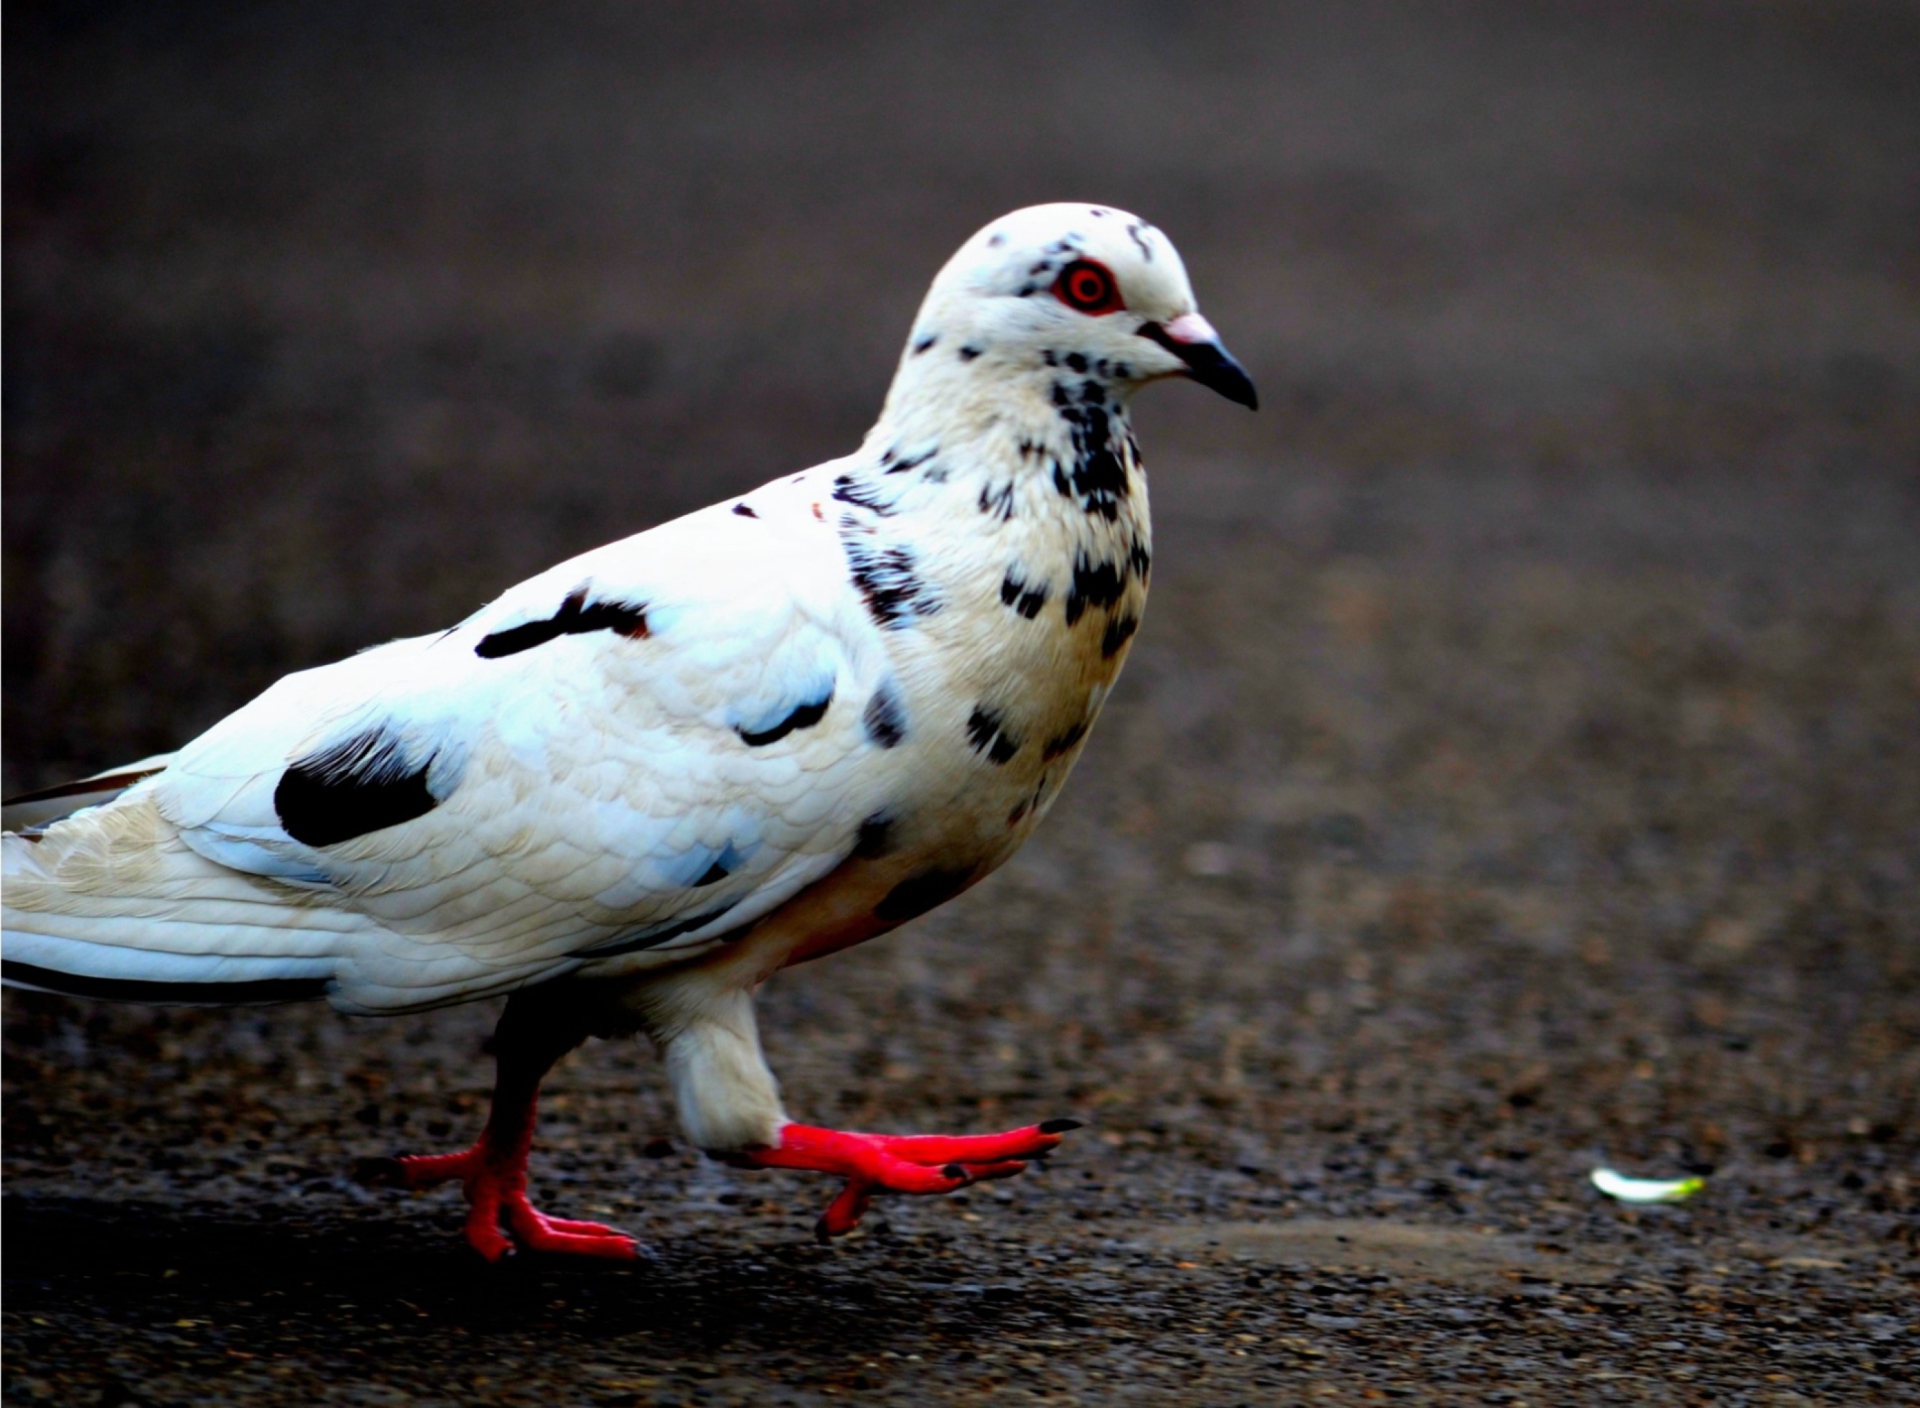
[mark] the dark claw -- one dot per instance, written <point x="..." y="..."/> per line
<point x="955" y="1171"/>
<point x="1060" y="1126"/>
<point x="379" y="1173"/>
<point x="820" y="1233"/>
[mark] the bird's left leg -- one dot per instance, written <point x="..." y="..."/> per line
<point x="539" y="1026"/>
<point x="730" y="1106"/>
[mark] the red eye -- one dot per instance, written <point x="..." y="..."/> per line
<point x="1088" y="287"/>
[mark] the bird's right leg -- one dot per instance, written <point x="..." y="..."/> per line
<point x="730" y="1106"/>
<point x="539" y="1026"/>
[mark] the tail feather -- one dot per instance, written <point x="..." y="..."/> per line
<point x="112" y="903"/>
<point x="42" y="808"/>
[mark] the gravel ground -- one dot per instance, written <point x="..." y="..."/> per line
<point x="1519" y="769"/>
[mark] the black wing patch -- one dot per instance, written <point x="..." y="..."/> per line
<point x="366" y="783"/>
<point x="576" y="617"/>
<point x="806" y="716"/>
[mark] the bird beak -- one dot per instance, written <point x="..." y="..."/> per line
<point x="1192" y="339"/>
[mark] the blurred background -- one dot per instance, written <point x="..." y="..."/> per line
<point x="1520" y="764"/>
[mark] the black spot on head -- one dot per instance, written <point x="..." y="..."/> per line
<point x="1048" y="356"/>
<point x="1123" y="371"/>
<point x="575" y="616"/>
<point x="924" y="343"/>
<point x="875" y="837"/>
<point x="915" y="896"/>
<point x="1137" y="230"/>
<point x="1045" y="266"/>
<point x="1098" y="213"/>
<point x="889" y="580"/>
<point x="1026" y="290"/>
<point x="996" y="240"/>
<point x="849" y="490"/>
<point x="1094" y="584"/>
<point x="804" y="716"/>
<point x="885" y="720"/>
<point x="1057" y="746"/>
<point x="967" y="354"/>
<point x="1119" y="631"/>
<point x="1077" y="361"/>
<point x="364" y="783"/>
<point x="744" y="511"/>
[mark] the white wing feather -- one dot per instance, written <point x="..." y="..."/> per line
<point x="600" y="798"/>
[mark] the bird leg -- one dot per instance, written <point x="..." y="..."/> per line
<point x="899" y="1163"/>
<point x="535" y="1031"/>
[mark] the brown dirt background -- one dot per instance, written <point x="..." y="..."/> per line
<point x="1519" y="768"/>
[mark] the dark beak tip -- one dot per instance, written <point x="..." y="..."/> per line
<point x="1215" y="368"/>
<point x="1227" y="378"/>
<point x="1210" y="364"/>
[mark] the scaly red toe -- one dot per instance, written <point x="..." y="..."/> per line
<point x="895" y="1163"/>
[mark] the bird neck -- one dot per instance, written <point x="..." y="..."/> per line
<point x="1031" y="489"/>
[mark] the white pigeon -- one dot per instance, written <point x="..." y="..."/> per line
<point x="634" y="787"/>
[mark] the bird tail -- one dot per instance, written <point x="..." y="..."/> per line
<point x="109" y="901"/>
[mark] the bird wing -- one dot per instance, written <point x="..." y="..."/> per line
<point x="630" y="755"/>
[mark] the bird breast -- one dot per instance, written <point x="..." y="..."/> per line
<point x="1007" y="578"/>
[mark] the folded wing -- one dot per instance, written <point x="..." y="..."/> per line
<point x="626" y="758"/>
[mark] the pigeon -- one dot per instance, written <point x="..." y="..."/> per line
<point x="634" y="787"/>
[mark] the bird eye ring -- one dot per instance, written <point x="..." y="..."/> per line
<point x="1087" y="287"/>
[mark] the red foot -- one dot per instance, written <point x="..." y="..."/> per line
<point x="901" y="1163"/>
<point x="496" y="1184"/>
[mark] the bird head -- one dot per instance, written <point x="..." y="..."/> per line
<point x="1068" y="291"/>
